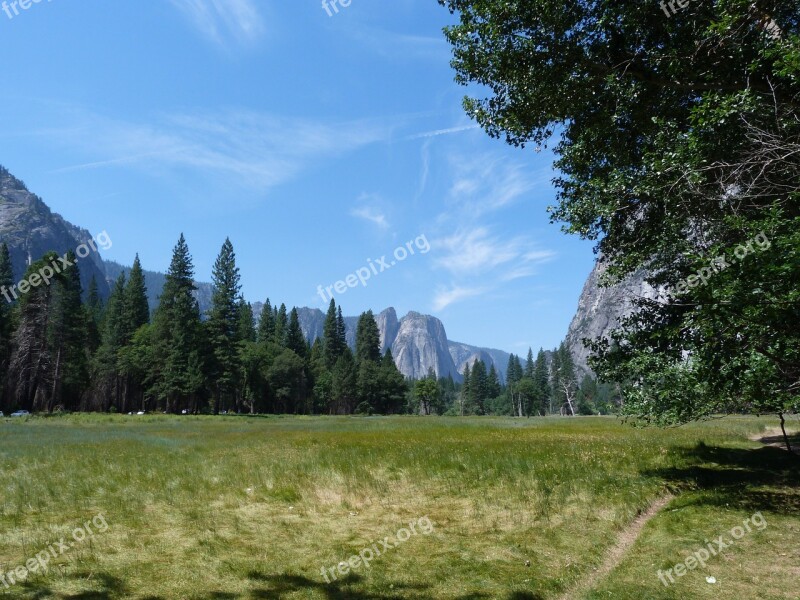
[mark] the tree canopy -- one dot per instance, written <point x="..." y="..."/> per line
<point x="677" y="143"/>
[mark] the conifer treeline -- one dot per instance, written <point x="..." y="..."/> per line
<point x="542" y="387"/>
<point x="61" y="351"/>
<point x="58" y="351"/>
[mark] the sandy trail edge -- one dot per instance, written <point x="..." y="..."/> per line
<point x="625" y="540"/>
<point x="773" y="436"/>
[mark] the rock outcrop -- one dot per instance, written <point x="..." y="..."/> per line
<point x="600" y="310"/>
<point x="31" y="229"/>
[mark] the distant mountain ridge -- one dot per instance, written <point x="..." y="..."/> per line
<point x="418" y="342"/>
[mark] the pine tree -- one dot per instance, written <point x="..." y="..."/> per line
<point x="68" y="340"/>
<point x="542" y="383"/>
<point x="478" y="393"/>
<point x="246" y="330"/>
<point x="30" y="374"/>
<point x="295" y="340"/>
<point x="341" y="330"/>
<point x="514" y="371"/>
<point x="266" y="324"/>
<point x="94" y="316"/>
<point x="281" y="326"/>
<point x="463" y="397"/>
<point x="223" y="327"/>
<point x="332" y="343"/>
<point x="368" y="339"/>
<point x="114" y="336"/>
<point x="529" y="365"/>
<point x="493" y="388"/>
<point x="137" y="306"/>
<point x="512" y="376"/>
<point x="345" y="383"/>
<point x="368" y="387"/>
<point x="177" y="335"/>
<point x="393" y="386"/>
<point x="116" y="328"/>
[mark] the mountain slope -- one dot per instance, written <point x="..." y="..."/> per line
<point x="31" y="229"/>
<point x="600" y="310"/>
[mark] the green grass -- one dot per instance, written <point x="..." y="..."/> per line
<point x="239" y="507"/>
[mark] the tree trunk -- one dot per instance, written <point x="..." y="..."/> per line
<point x="783" y="429"/>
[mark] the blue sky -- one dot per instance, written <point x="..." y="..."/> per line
<point x="316" y="142"/>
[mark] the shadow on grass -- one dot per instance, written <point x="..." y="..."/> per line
<point x="760" y="479"/>
<point x="778" y="442"/>
<point x="277" y="586"/>
<point x="345" y="589"/>
<point x="111" y="588"/>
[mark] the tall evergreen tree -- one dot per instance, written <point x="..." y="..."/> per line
<point x="345" y="383"/>
<point x="281" y="326"/>
<point x="68" y="338"/>
<point x="94" y="316"/>
<point x="478" y="389"/>
<point x="493" y="388"/>
<point x="49" y="366"/>
<point x="295" y="340"/>
<point x="223" y="327"/>
<point x="541" y="381"/>
<point x="463" y="397"/>
<point x="30" y="374"/>
<point x="341" y="330"/>
<point x="529" y="365"/>
<point x="177" y="335"/>
<point x="368" y="339"/>
<point x="116" y="332"/>
<point x="392" y="386"/>
<point x="246" y="322"/>
<point x="137" y="306"/>
<point x="333" y="343"/>
<point x="266" y="324"/>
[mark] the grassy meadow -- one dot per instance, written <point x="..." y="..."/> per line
<point x="252" y="507"/>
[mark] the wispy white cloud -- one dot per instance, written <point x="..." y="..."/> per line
<point x="222" y="20"/>
<point x="371" y="214"/>
<point x="446" y="296"/>
<point x="245" y="148"/>
<point x="486" y="183"/>
<point x="477" y="259"/>
<point x="472" y="255"/>
<point x="471" y="252"/>
<point x="438" y="132"/>
<point x="425" y="158"/>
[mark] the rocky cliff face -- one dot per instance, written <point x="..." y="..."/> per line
<point x="388" y="326"/>
<point x="30" y="229"/>
<point x="600" y="310"/>
<point x="420" y="345"/>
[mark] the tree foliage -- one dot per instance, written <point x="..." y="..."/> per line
<point x="676" y="140"/>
